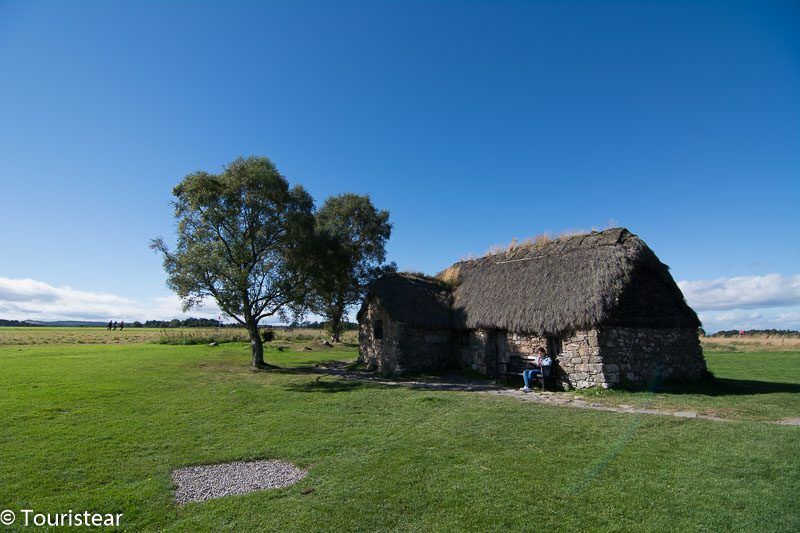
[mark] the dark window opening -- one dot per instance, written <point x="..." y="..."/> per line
<point x="377" y="329"/>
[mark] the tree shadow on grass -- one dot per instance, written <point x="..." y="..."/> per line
<point x="729" y="387"/>
<point x="318" y="385"/>
<point x="334" y="366"/>
<point x="349" y="372"/>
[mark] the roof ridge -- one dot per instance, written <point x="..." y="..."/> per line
<point x="415" y="276"/>
<point x="534" y="250"/>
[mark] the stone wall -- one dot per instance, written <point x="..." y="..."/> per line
<point x="604" y="358"/>
<point x="403" y="348"/>
<point x="525" y="345"/>
<point x="378" y="354"/>
<point x="425" y="349"/>
<point x="641" y="355"/>
<point x="579" y="364"/>
<point x="519" y="348"/>
<point x="476" y="351"/>
<point x="611" y="357"/>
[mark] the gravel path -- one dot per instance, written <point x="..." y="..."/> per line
<point x="200" y="483"/>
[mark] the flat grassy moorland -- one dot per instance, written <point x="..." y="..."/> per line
<point x="100" y="427"/>
<point x="15" y="336"/>
<point x="759" y="342"/>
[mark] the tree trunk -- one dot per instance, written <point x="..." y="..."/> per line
<point x="257" y="345"/>
<point x="336" y="321"/>
<point x="336" y="326"/>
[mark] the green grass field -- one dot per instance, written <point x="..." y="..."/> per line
<point x="748" y="386"/>
<point x="100" y="428"/>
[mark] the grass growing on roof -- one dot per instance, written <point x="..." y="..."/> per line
<point x="101" y="427"/>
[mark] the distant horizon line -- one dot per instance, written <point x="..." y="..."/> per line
<point x="103" y="323"/>
<point x="98" y="323"/>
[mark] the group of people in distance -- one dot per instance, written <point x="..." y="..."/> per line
<point x="112" y="324"/>
<point x="539" y="366"/>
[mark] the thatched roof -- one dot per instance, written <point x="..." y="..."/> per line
<point x="600" y="278"/>
<point x="413" y="299"/>
<point x="578" y="282"/>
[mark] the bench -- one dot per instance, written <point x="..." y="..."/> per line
<point x="519" y="362"/>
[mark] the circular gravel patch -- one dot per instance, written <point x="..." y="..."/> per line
<point x="200" y="483"/>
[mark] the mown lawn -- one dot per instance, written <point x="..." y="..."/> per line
<point x="100" y="428"/>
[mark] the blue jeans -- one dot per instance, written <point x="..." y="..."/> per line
<point x="527" y="375"/>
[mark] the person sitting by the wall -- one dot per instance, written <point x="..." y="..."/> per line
<point x="543" y="363"/>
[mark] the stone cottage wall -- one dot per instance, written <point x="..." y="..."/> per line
<point x="520" y="346"/>
<point x="476" y="351"/>
<point x="378" y="354"/>
<point x="579" y="364"/>
<point x="604" y="358"/>
<point x="641" y="355"/>
<point x="609" y="357"/>
<point x="525" y="345"/>
<point x="424" y="349"/>
<point x="403" y="348"/>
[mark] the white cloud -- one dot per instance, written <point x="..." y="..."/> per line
<point x="22" y="299"/>
<point x="743" y="302"/>
<point x="790" y="318"/>
<point x="767" y="318"/>
<point x="743" y="292"/>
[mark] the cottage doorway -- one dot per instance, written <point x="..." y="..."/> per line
<point x="501" y="350"/>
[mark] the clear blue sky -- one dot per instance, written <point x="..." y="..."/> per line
<point x="471" y="122"/>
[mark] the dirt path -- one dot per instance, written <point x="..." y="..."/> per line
<point x="566" y="399"/>
<point x="457" y="382"/>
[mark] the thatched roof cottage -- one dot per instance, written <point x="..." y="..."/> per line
<point x="601" y="302"/>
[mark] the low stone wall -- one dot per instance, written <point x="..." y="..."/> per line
<point x="579" y="365"/>
<point x="613" y="356"/>
<point x="378" y="354"/>
<point x="518" y="343"/>
<point x="403" y="348"/>
<point x="641" y="355"/>
<point x="604" y="358"/>
<point x="423" y="349"/>
<point x="476" y="351"/>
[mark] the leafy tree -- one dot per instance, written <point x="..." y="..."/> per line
<point x="244" y="237"/>
<point x="351" y="240"/>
